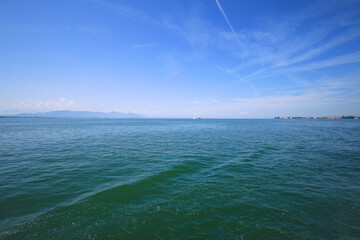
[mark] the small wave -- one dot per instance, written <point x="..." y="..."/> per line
<point x="148" y="185"/>
<point x="151" y="185"/>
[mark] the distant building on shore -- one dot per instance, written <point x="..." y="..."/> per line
<point x="343" y="117"/>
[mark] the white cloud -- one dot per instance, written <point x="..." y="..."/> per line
<point x="39" y="105"/>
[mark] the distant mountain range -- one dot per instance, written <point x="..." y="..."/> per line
<point x="77" y="114"/>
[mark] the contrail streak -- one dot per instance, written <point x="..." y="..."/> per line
<point x="231" y="27"/>
<point x="223" y="13"/>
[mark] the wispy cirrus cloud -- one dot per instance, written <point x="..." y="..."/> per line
<point x="339" y="60"/>
<point x="334" y="42"/>
<point x="279" y="47"/>
<point x="171" y="65"/>
<point x="325" y="98"/>
<point x="126" y="11"/>
<point x="145" y="45"/>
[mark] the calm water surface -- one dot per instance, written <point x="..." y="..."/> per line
<point x="179" y="179"/>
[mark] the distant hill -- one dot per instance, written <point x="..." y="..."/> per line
<point x="78" y="114"/>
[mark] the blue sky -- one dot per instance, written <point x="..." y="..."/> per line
<point x="184" y="58"/>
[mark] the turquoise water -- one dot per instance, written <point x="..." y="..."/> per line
<point x="179" y="179"/>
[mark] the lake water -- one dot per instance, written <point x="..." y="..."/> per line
<point x="179" y="179"/>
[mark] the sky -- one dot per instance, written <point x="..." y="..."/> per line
<point x="181" y="58"/>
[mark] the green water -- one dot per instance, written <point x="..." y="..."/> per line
<point x="179" y="179"/>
